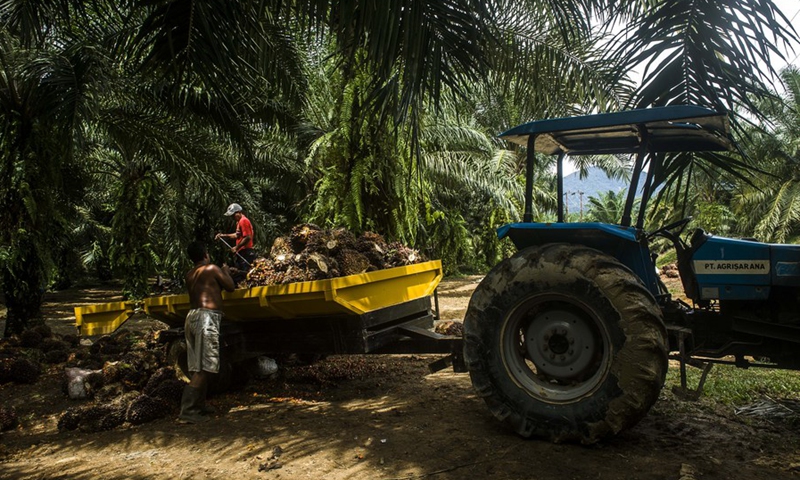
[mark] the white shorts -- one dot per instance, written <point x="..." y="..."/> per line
<point x="202" y="339"/>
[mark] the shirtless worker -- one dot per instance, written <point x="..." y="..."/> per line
<point x="206" y="282"/>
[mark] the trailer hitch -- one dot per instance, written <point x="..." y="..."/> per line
<point x="455" y="360"/>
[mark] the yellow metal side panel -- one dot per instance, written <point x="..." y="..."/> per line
<point x="171" y="309"/>
<point x="383" y="288"/>
<point x="103" y="318"/>
<point x="354" y="294"/>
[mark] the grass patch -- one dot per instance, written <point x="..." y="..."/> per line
<point x="733" y="386"/>
<point x="670" y="256"/>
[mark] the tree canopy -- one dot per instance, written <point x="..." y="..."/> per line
<point x="128" y="126"/>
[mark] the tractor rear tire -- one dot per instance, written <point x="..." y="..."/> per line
<point x="564" y="342"/>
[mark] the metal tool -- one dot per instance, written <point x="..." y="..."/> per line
<point x="237" y="253"/>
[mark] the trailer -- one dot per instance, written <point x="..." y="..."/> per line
<point x="380" y="312"/>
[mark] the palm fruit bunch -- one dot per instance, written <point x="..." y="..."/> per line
<point x="56" y="356"/>
<point x="160" y="376"/>
<point x="111" y="372"/>
<point x="109" y="392"/>
<point x="23" y="370"/>
<point x="373" y="246"/>
<point x="92" y="417"/>
<point x="164" y="385"/>
<point x="281" y="245"/>
<point x="170" y="391"/>
<point x="70" y="419"/>
<point x="98" y="418"/>
<point x="8" y="418"/>
<point x="450" y="327"/>
<point x="30" y="339"/>
<point x="352" y="262"/>
<point x="398" y="255"/>
<point x="300" y="235"/>
<point x="145" y="408"/>
<point x="311" y="253"/>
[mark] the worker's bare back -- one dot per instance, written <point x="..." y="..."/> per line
<point x="206" y="283"/>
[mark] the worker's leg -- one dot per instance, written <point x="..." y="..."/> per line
<point x="199" y="380"/>
<point x="193" y="402"/>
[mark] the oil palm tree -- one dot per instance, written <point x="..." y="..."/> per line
<point x="607" y="208"/>
<point x="711" y="53"/>
<point x="243" y="56"/>
<point x="769" y="206"/>
<point x="43" y="100"/>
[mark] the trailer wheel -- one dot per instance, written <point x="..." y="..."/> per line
<point x="566" y="343"/>
<point x="217" y="383"/>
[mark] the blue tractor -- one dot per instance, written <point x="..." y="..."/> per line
<point x="569" y="339"/>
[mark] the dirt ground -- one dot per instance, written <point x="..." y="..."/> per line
<point x="375" y="417"/>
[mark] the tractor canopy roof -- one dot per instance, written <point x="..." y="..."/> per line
<point x="679" y="128"/>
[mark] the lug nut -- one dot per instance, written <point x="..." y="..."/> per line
<point x="552" y="356"/>
<point x="572" y="352"/>
<point x="563" y="358"/>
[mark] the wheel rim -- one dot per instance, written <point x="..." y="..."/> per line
<point x="556" y="348"/>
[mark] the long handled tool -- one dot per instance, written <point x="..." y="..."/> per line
<point x="237" y="253"/>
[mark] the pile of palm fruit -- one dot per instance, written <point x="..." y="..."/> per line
<point x="125" y="380"/>
<point x="312" y="253"/>
<point x="117" y="379"/>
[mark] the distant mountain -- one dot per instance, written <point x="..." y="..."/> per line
<point x="595" y="183"/>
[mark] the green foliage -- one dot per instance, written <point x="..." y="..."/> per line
<point x="608" y="208"/>
<point x="135" y="206"/>
<point x="448" y="238"/>
<point x="729" y="385"/>
<point x="713" y="218"/>
<point x="23" y="274"/>
<point x="669" y="256"/>
<point x="128" y="127"/>
<point x="768" y="206"/>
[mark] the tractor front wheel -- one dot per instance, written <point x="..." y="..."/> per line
<point x="566" y="343"/>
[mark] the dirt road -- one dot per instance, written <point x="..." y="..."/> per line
<point x="379" y="417"/>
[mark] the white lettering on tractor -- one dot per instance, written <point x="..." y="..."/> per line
<point x="731" y="267"/>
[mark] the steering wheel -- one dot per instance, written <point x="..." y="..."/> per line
<point x="672" y="226"/>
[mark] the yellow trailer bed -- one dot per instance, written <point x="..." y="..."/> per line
<point x="352" y="295"/>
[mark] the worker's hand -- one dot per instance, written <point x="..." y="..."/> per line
<point x="233" y="250"/>
<point x="226" y="268"/>
<point x="217" y="236"/>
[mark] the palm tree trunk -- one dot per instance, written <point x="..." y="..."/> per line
<point x="22" y="286"/>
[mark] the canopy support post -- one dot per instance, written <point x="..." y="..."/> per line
<point x="560" y="185"/>
<point x="637" y="172"/>
<point x="531" y="156"/>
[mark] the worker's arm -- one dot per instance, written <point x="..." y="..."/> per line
<point x="240" y="244"/>
<point x="224" y="278"/>
<point x="231" y="236"/>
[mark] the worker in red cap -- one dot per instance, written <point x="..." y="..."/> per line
<point x="242" y="250"/>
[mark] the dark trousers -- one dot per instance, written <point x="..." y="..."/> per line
<point x="249" y="254"/>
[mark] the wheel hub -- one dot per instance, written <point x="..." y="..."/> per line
<point x="560" y="343"/>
